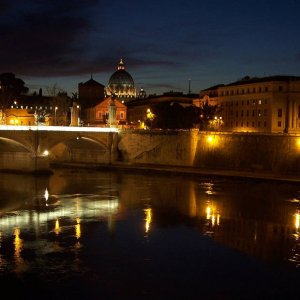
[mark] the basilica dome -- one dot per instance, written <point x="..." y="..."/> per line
<point x="121" y="84"/>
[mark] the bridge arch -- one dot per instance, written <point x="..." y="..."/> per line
<point x="14" y="155"/>
<point x="79" y="149"/>
<point x="10" y="145"/>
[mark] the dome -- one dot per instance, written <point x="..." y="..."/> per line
<point x="121" y="84"/>
<point x="119" y="78"/>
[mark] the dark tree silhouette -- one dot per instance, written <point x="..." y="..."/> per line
<point x="10" y="88"/>
<point x="207" y="114"/>
<point x="171" y="115"/>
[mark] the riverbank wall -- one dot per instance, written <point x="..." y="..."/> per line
<point x="251" y="152"/>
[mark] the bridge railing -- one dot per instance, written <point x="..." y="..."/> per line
<point x="57" y="128"/>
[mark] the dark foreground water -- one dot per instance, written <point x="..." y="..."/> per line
<point x="110" y="235"/>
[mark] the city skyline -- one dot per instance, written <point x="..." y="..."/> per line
<point x="165" y="46"/>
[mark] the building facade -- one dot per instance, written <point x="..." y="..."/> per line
<point x="268" y="104"/>
<point x="98" y="115"/>
<point x="90" y="93"/>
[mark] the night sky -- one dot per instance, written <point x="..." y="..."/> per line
<point x="163" y="43"/>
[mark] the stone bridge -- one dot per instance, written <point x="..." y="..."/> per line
<point x="34" y="148"/>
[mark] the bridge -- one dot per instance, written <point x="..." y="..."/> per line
<point x="35" y="148"/>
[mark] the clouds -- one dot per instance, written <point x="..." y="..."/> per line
<point x="43" y="38"/>
<point x="163" y="43"/>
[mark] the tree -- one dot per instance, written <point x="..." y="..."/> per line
<point x="10" y="88"/>
<point x="172" y="115"/>
<point x="207" y="114"/>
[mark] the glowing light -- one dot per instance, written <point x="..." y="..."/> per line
<point x="46" y="153"/>
<point x="148" y="219"/>
<point x="18" y="243"/>
<point x="208" y="212"/>
<point x="218" y="219"/>
<point x="57" y="227"/>
<point x="212" y="215"/>
<point x="77" y="228"/>
<point x="297" y="220"/>
<point x="210" y="139"/>
<point x="298" y="143"/>
<point x="46" y="195"/>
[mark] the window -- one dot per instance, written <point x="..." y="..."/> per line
<point x="121" y="115"/>
<point x="253" y="90"/>
<point x="279" y="123"/>
<point x="242" y="113"/>
<point x="265" y="112"/>
<point x="247" y="113"/>
<point x="259" y="102"/>
<point x="253" y="113"/>
<point x="99" y="114"/>
<point x="265" y="123"/>
<point x="259" y="114"/>
<point x="253" y="102"/>
<point x="279" y="112"/>
<point x="252" y="124"/>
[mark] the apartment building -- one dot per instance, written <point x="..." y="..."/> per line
<point x="268" y="104"/>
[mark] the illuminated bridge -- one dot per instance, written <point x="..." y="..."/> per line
<point x="34" y="148"/>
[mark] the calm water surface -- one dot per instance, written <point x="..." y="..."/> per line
<point x="109" y="235"/>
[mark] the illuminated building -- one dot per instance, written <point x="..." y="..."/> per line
<point x="268" y="104"/>
<point x="98" y="115"/>
<point x="121" y="84"/>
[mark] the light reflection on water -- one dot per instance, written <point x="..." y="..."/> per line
<point x="89" y="224"/>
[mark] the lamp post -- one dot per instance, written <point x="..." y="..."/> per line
<point x="149" y="116"/>
<point x="78" y="115"/>
<point x="218" y="122"/>
<point x="56" y="108"/>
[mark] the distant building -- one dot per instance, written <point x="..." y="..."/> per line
<point x="37" y="109"/>
<point x="137" y="109"/>
<point x="121" y="84"/>
<point x="90" y="93"/>
<point x="268" y="104"/>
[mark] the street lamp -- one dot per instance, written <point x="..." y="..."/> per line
<point x="56" y="108"/>
<point x="218" y="122"/>
<point x="150" y="116"/>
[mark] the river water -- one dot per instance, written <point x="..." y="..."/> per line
<point x="81" y="234"/>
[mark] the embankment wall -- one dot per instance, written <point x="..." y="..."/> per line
<point x="278" y="153"/>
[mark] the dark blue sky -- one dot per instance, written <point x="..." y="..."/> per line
<point x="163" y="43"/>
